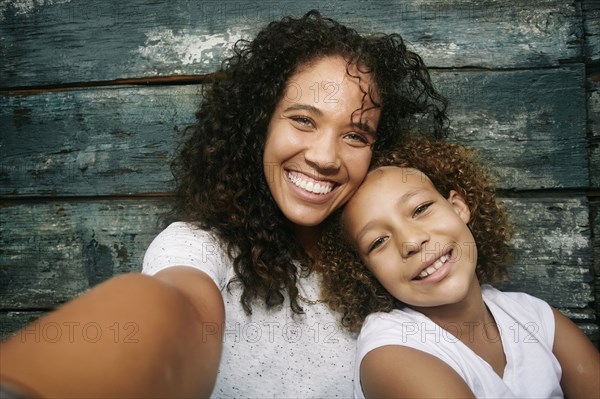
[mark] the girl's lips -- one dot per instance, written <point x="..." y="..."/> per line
<point x="436" y="270"/>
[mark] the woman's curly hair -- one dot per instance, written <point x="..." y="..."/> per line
<point x="220" y="182"/>
<point x="350" y="288"/>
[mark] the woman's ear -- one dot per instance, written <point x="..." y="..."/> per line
<point x="460" y="206"/>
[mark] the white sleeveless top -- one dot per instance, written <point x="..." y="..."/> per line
<point x="526" y="327"/>
<point x="271" y="353"/>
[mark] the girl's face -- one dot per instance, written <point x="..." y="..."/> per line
<point x="318" y="150"/>
<point x="415" y="241"/>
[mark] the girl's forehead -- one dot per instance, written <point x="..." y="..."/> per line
<point x="390" y="181"/>
<point x="398" y="175"/>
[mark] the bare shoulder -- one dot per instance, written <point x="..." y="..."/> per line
<point x="578" y="358"/>
<point x="402" y="372"/>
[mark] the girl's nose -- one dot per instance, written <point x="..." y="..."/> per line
<point x="412" y="240"/>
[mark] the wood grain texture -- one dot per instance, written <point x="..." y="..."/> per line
<point x="118" y="141"/>
<point x="529" y="125"/>
<point x="553" y="252"/>
<point x="591" y="19"/>
<point x="10" y="322"/>
<point x="61" y="41"/>
<point x="593" y="126"/>
<point x="51" y="251"/>
<point x="595" y="220"/>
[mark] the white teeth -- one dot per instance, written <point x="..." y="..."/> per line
<point x="315" y="188"/>
<point x="436" y="265"/>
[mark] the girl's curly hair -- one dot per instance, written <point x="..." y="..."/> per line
<point x="350" y="288"/>
<point x="220" y="182"/>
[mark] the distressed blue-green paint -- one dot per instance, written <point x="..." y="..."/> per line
<point x="591" y="18"/>
<point x="529" y="124"/>
<point x="52" y="251"/>
<point x="63" y="41"/>
<point x="109" y="141"/>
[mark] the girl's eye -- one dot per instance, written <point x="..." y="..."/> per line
<point x="421" y="208"/>
<point x="376" y="244"/>
<point x="357" y="139"/>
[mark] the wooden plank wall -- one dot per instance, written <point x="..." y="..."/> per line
<point x="94" y="95"/>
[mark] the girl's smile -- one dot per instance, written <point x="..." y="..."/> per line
<point x="415" y="241"/>
<point x="436" y="269"/>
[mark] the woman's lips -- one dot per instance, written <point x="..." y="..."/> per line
<point x="310" y="185"/>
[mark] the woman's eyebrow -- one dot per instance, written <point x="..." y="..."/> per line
<point x="364" y="126"/>
<point x="304" y="107"/>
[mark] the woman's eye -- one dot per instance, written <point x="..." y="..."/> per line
<point x="421" y="208"/>
<point x="376" y="244"/>
<point x="302" y="120"/>
<point x="357" y="139"/>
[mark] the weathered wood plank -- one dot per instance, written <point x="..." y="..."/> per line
<point x="10" y="322"/>
<point x="595" y="220"/>
<point x="118" y="141"/>
<point x="51" y="251"/>
<point x="529" y="124"/>
<point x="553" y="252"/>
<point x="60" y="41"/>
<point x="593" y="126"/>
<point x="591" y="18"/>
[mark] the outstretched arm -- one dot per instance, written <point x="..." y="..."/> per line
<point x="396" y="371"/>
<point x="578" y="358"/>
<point x="132" y="336"/>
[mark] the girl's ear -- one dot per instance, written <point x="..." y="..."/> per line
<point x="460" y="206"/>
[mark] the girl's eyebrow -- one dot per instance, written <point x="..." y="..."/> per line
<point x="402" y="199"/>
<point x="408" y="195"/>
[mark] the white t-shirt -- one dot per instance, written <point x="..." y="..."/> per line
<point x="271" y="353"/>
<point x="526" y="327"/>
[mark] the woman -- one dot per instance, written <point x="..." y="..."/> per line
<point x="282" y="140"/>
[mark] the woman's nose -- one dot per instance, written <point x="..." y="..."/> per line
<point x="322" y="152"/>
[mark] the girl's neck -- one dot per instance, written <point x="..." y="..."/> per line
<point x="471" y="310"/>
<point x="471" y="322"/>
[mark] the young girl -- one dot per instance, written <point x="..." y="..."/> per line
<point x="427" y="226"/>
<point x="284" y="136"/>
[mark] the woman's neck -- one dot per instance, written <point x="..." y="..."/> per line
<point x="308" y="237"/>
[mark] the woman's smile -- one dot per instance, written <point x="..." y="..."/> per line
<point x="318" y="148"/>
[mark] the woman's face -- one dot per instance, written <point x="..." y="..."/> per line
<point x="318" y="146"/>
